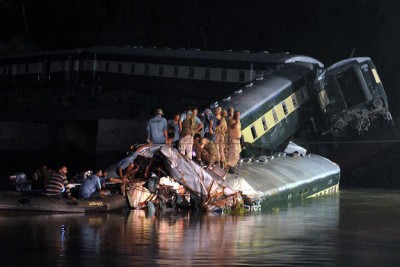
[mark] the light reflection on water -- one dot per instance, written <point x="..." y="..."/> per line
<point x="355" y="227"/>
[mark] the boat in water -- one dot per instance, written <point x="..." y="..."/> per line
<point x="28" y="201"/>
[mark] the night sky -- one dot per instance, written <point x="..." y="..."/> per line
<point x="328" y="30"/>
<point x="325" y="29"/>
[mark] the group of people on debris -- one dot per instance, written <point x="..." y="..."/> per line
<point x="55" y="182"/>
<point x="213" y="141"/>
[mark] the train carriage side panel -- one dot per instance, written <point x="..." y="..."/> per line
<point x="270" y="107"/>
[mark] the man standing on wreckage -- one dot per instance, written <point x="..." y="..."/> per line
<point x="234" y="132"/>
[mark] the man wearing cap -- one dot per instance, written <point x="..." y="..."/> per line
<point x="157" y="128"/>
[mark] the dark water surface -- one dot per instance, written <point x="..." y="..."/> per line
<point x="352" y="228"/>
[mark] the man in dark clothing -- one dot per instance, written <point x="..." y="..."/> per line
<point x="41" y="178"/>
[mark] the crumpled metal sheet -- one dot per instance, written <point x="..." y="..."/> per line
<point x="195" y="179"/>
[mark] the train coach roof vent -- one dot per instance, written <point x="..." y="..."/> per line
<point x="227" y="98"/>
<point x="238" y="91"/>
<point x="249" y="85"/>
<point x="304" y="59"/>
<point x="214" y="105"/>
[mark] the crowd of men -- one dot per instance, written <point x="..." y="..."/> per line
<point x="213" y="141"/>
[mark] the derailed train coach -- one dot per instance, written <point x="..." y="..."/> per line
<point x="341" y="101"/>
<point x="351" y="96"/>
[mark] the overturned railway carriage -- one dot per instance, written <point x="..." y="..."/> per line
<point x="271" y="105"/>
<point x="351" y="96"/>
<point x="343" y="101"/>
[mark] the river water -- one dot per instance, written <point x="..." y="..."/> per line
<point x="351" y="228"/>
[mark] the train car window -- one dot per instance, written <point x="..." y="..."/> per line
<point x="26" y="68"/>
<point x="207" y="74"/>
<point x="253" y="132"/>
<point x="146" y="69"/>
<point x="133" y="68"/>
<point x="9" y="70"/>
<point x="285" y="110"/>
<point x="160" y="70"/>
<point x="107" y="66"/>
<point x="119" y="67"/>
<point x="176" y="71"/>
<point x="224" y="75"/>
<point x="191" y="73"/>
<point x="350" y="86"/>
<point x="275" y="116"/>
<point x="294" y="101"/>
<point x="241" y="76"/>
<point x="62" y="66"/>
<point x="264" y="123"/>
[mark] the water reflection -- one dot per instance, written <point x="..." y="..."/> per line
<point x="322" y="231"/>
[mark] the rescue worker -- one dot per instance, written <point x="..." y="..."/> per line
<point x="231" y="110"/>
<point x="220" y="131"/>
<point x="157" y="128"/>
<point x="174" y="127"/>
<point x="91" y="187"/>
<point x="208" y="152"/>
<point x="197" y="148"/>
<point x="190" y="126"/>
<point x="209" y="125"/>
<point x="234" y="131"/>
